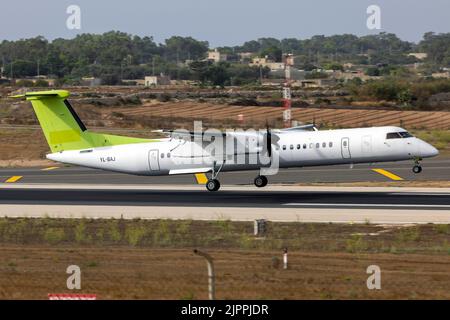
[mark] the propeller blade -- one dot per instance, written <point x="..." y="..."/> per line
<point x="269" y="141"/>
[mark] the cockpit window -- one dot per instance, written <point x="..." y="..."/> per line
<point x="406" y="134"/>
<point x="398" y="135"/>
<point x="393" y="135"/>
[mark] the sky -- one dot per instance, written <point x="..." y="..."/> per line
<point x="225" y="22"/>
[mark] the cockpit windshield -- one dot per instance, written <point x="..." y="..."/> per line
<point x="406" y="134"/>
<point x="398" y="135"/>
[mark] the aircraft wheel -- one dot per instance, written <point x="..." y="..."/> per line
<point x="213" y="185"/>
<point x="417" y="169"/>
<point x="261" y="181"/>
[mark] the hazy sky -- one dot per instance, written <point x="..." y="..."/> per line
<point x="225" y="22"/>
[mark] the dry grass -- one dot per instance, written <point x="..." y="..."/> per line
<point x="153" y="259"/>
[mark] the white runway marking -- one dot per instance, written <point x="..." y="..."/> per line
<point x="417" y="194"/>
<point x="383" y="205"/>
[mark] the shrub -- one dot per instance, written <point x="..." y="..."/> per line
<point x="356" y="243"/>
<point x="54" y="235"/>
<point x="134" y="235"/>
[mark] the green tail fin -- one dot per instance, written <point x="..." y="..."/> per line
<point x="62" y="127"/>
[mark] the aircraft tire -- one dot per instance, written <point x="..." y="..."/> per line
<point x="261" y="181"/>
<point x="213" y="185"/>
<point x="417" y="169"/>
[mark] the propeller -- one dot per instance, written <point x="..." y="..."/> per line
<point x="269" y="140"/>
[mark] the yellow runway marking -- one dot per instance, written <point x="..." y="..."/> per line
<point x="50" y="168"/>
<point x="388" y="174"/>
<point x="13" y="179"/>
<point x="201" y="178"/>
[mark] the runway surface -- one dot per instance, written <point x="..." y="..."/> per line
<point x="67" y="192"/>
<point x="277" y="203"/>
<point x="433" y="170"/>
<point x="177" y="197"/>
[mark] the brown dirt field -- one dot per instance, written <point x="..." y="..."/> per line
<point x="31" y="272"/>
<point x="330" y="117"/>
<point x="145" y="259"/>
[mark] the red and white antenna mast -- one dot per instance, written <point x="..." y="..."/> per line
<point x="287" y="98"/>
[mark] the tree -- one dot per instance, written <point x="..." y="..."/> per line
<point x="217" y="74"/>
<point x="180" y="49"/>
<point x="273" y="53"/>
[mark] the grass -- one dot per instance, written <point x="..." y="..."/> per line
<point x="54" y="235"/>
<point x="80" y="232"/>
<point x="134" y="235"/>
<point x="224" y="234"/>
<point x="408" y="234"/>
<point x="443" y="228"/>
<point x="356" y="244"/>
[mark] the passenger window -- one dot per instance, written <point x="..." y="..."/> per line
<point x="311" y="145"/>
<point x="317" y="145"/>
<point x="168" y="155"/>
<point x="292" y="147"/>
<point x="345" y="143"/>
<point x="284" y="147"/>
<point x="324" y="145"/>
<point x="331" y="144"/>
<point x="393" y="135"/>
<point x="162" y="155"/>
<point x="299" y="147"/>
<point x="305" y="146"/>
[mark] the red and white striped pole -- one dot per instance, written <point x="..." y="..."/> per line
<point x="287" y="103"/>
<point x="285" y="258"/>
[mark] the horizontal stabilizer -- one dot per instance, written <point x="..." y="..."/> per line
<point x="37" y="95"/>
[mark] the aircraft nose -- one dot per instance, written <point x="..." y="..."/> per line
<point x="427" y="150"/>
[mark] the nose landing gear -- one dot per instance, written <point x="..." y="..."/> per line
<point x="213" y="184"/>
<point x="417" y="167"/>
<point x="261" y="181"/>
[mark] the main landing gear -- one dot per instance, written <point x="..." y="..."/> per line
<point x="417" y="167"/>
<point x="261" y="181"/>
<point x="213" y="184"/>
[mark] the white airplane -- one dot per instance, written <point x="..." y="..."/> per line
<point x="185" y="152"/>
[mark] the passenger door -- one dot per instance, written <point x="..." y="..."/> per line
<point x="153" y="160"/>
<point x="345" y="148"/>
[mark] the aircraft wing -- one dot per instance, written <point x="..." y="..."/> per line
<point x="305" y="127"/>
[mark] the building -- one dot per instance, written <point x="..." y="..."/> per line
<point x="91" y="81"/>
<point x="289" y="59"/>
<point x="418" y="55"/>
<point x="294" y="74"/>
<point x="245" y="56"/>
<point x="216" y="56"/>
<point x="318" y="83"/>
<point x="265" y="62"/>
<point x="133" y="82"/>
<point x="350" y="75"/>
<point x="441" y="75"/>
<point x="153" y="81"/>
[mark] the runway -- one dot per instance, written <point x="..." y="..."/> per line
<point x="359" y="205"/>
<point x="66" y="192"/>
